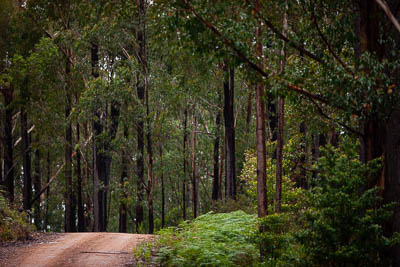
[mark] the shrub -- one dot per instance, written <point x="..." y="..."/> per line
<point x="343" y="226"/>
<point x="221" y="239"/>
<point x="13" y="224"/>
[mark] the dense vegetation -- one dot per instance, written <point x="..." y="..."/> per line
<point x="136" y="116"/>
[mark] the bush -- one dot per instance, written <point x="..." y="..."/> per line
<point x="343" y="226"/>
<point x="13" y="224"/>
<point x="210" y="240"/>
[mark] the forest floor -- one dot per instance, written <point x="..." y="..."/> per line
<point x="72" y="249"/>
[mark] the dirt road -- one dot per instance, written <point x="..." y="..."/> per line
<point x="78" y="249"/>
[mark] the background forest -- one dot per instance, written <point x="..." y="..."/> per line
<point x="131" y="116"/>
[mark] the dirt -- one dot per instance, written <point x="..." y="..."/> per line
<point x="72" y="249"/>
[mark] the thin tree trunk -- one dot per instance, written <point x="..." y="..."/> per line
<point x="26" y="158"/>
<point x="140" y="86"/>
<point x="281" y="117"/>
<point x="162" y="190"/>
<point x="78" y="171"/>
<point x="8" y="145"/>
<point x="216" y="178"/>
<point x="195" y="191"/>
<point x="97" y="128"/>
<point x="184" y="191"/>
<point x="123" y="209"/>
<point x="279" y="154"/>
<point x="69" y="209"/>
<point x="46" y="215"/>
<point x="221" y="169"/>
<point x="150" y="164"/>
<point x="230" y="190"/>
<point x="37" y="184"/>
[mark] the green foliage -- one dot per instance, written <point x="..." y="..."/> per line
<point x="13" y="224"/>
<point x="291" y="196"/>
<point x="343" y="226"/>
<point x="213" y="239"/>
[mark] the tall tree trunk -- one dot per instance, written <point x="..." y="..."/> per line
<point x="221" y="169"/>
<point x="381" y="138"/>
<point x="46" y="212"/>
<point x="184" y="190"/>
<point x="272" y="118"/>
<point x="150" y="163"/>
<point x="37" y="185"/>
<point x="162" y="190"/>
<point x="26" y="158"/>
<point x="216" y="178"/>
<point x="260" y="138"/>
<point x="195" y="190"/>
<point x="69" y="207"/>
<point x="123" y="209"/>
<point x="279" y="154"/>
<point x="78" y="171"/>
<point x="281" y="117"/>
<point x="140" y="86"/>
<point x="8" y="144"/>
<point x="97" y="162"/>
<point x="230" y="174"/>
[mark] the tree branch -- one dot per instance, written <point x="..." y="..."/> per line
<point x="314" y="19"/>
<point x="389" y="13"/>
<point x="284" y="38"/>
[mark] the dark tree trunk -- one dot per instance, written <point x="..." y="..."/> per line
<point x="184" y="191"/>
<point x="46" y="212"/>
<point x="26" y="159"/>
<point x="69" y="207"/>
<point x="279" y="154"/>
<point x="272" y="118"/>
<point x="97" y="160"/>
<point x="381" y="137"/>
<point x="216" y="179"/>
<point x="221" y="169"/>
<point x="150" y="163"/>
<point x="261" y="152"/>
<point x="8" y="145"/>
<point x="78" y="171"/>
<point x="140" y="86"/>
<point x="123" y="209"/>
<point x="37" y="185"/>
<point x="195" y="190"/>
<point x="230" y="190"/>
<point x="162" y="190"/>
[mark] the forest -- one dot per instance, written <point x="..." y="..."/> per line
<point x="240" y="132"/>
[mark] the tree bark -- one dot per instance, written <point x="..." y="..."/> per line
<point x="69" y="207"/>
<point x="46" y="213"/>
<point x="279" y="154"/>
<point x="184" y="186"/>
<point x="216" y="179"/>
<point x="230" y="174"/>
<point x="195" y="191"/>
<point x="37" y="185"/>
<point x="26" y="158"/>
<point x="162" y="190"/>
<point x="123" y="209"/>
<point x="140" y="86"/>
<point x="78" y="171"/>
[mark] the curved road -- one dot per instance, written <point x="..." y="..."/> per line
<point x="79" y="249"/>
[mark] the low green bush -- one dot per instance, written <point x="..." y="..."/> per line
<point x="213" y="239"/>
<point x="13" y="224"/>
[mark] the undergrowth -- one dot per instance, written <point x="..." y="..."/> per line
<point x="13" y="224"/>
<point x="213" y="239"/>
